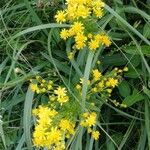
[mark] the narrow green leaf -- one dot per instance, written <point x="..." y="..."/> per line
<point x="27" y="118"/>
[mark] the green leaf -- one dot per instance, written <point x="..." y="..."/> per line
<point x="134" y="51"/>
<point x="132" y="73"/>
<point x="132" y="99"/>
<point x="124" y="89"/>
<point x="27" y="118"/>
<point x="135" y="60"/>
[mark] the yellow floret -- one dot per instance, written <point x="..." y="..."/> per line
<point x="80" y="40"/>
<point x="112" y="82"/>
<point x="34" y="87"/>
<point x="96" y="74"/>
<point x="62" y="99"/>
<point x="89" y="119"/>
<point x="60" y="16"/>
<point x="77" y="27"/>
<point x="64" y="34"/>
<point x="66" y="125"/>
<point x="60" y="91"/>
<point x="93" y="44"/>
<point x="95" y="135"/>
<point x="106" y="41"/>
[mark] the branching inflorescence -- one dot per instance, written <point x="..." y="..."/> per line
<point x="58" y="119"/>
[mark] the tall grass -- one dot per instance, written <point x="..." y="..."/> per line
<point x="30" y="45"/>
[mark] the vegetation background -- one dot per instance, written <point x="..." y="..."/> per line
<point x="24" y="29"/>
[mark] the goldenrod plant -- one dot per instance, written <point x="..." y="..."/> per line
<point x="74" y="75"/>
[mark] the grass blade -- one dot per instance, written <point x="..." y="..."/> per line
<point x="27" y="118"/>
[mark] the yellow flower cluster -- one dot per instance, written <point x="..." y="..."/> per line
<point x="80" y="9"/>
<point x="116" y="103"/>
<point x="80" y="13"/>
<point x="40" y="85"/>
<point x="61" y="95"/>
<point x="51" y="131"/>
<point x="89" y="121"/>
<point x="102" y="84"/>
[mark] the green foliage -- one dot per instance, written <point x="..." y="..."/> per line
<point x="30" y="45"/>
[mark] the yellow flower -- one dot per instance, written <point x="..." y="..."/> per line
<point x="78" y="86"/>
<point x="98" y="12"/>
<point x="66" y="125"/>
<point x="60" y="16"/>
<point x="81" y="81"/>
<point x="90" y="35"/>
<point x="94" y="89"/>
<point x="82" y="11"/>
<point x="85" y="115"/>
<point x="64" y="34"/>
<point x="70" y="55"/>
<point x="34" y="87"/>
<point x="112" y="82"/>
<point x="60" y="91"/>
<point x="93" y="44"/>
<point x="39" y="138"/>
<point x="96" y="75"/>
<point x="106" y="41"/>
<point x="71" y="12"/>
<point x="80" y="40"/>
<point x="62" y="99"/>
<point x="98" y="3"/>
<point x="61" y="95"/>
<point x="35" y="112"/>
<point x="77" y="27"/>
<point x="89" y="130"/>
<point x="54" y="136"/>
<point x="101" y="84"/>
<point x="95" y="135"/>
<point x="89" y="119"/>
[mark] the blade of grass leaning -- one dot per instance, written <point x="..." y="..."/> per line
<point x="39" y="27"/>
<point x="126" y="24"/>
<point x="27" y="117"/>
<point x="130" y="9"/>
<point x="98" y="124"/>
<point x="3" y="64"/>
<point x="143" y="139"/>
<point x="127" y="134"/>
<point x="21" y="142"/>
<point x="34" y="15"/>
<point x="141" y="54"/>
